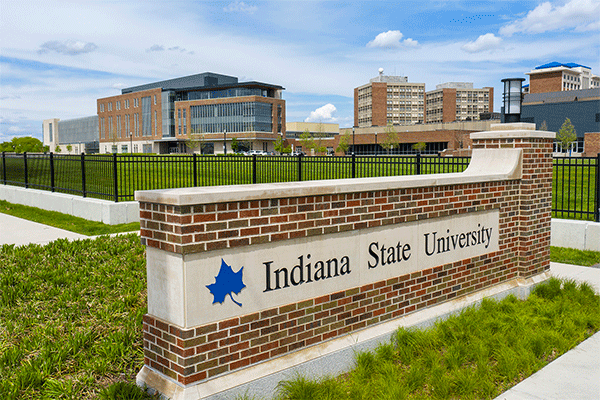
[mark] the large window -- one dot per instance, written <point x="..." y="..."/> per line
<point x="233" y="117"/>
<point x="146" y="117"/>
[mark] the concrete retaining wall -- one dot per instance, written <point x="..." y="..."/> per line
<point x="582" y="235"/>
<point x="104" y="211"/>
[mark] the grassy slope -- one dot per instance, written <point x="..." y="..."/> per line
<point x="64" y="221"/>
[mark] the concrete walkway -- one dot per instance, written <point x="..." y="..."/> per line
<point x="573" y="376"/>
<point x="19" y="232"/>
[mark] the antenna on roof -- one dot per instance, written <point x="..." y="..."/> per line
<point x="380" y="74"/>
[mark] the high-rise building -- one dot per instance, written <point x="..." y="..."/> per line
<point x="558" y="77"/>
<point x="389" y="99"/>
<point x="458" y="101"/>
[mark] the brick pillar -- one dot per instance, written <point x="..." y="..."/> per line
<point x="535" y="208"/>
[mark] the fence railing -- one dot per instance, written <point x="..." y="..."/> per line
<point x="116" y="177"/>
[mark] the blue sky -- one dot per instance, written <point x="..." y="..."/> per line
<point x="58" y="57"/>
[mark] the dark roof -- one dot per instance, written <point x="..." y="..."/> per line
<point x="555" y="64"/>
<point x="562" y="97"/>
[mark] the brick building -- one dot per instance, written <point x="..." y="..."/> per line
<point x="389" y="99"/>
<point x="458" y="101"/>
<point x="557" y="77"/>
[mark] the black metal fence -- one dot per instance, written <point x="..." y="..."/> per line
<point x="116" y="177"/>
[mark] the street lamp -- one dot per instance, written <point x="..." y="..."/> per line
<point x="130" y="142"/>
<point x="224" y="142"/>
<point x="376" y="149"/>
<point x="513" y="97"/>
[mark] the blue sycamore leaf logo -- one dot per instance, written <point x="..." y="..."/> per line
<point x="226" y="283"/>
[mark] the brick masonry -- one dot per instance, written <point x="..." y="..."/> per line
<point x="191" y="356"/>
<point x="591" y="144"/>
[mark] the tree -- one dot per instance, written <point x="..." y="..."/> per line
<point x="419" y="147"/>
<point x="197" y="140"/>
<point x="308" y="141"/>
<point x="57" y="149"/>
<point x="69" y="148"/>
<point x="23" y="144"/>
<point x="344" y="143"/>
<point x="281" y="147"/>
<point x="566" y="135"/>
<point x="391" y="137"/>
<point x="234" y="145"/>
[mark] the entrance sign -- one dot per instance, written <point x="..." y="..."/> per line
<point x="240" y="276"/>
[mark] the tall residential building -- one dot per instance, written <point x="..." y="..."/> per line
<point x="458" y="101"/>
<point x="557" y="77"/>
<point x="205" y="110"/>
<point x="389" y="99"/>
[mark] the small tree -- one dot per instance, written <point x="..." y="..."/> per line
<point x="69" y="148"/>
<point x="308" y="141"/>
<point x="344" y="143"/>
<point x="234" y="145"/>
<point x="281" y="147"/>
<point x="566" y="135"/>
<point x="196" y="140"/>
<point x="391" y="137"/>
<point x="57" y="149"/>
<point x="419" y="147"/>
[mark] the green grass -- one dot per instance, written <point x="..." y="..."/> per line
<point x="574" y="256"/>
<point x="71" y="321"/>
<point x="64" y="221"/>
<point x="477" y="354"/>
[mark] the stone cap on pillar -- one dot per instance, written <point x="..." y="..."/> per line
<point x="514" y="130"/>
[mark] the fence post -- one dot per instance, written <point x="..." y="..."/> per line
<point x="116" y="183"/>
<point x="353" y="165"/>
<point x="418" y="164"/>
<point x="83" y="174"/>
<point x="52" y="171"/>
<point x="25" y="169"/>
<point x="300" y="167"/>
<point x="597" y="209"/>
<point x="4" y="167"/>
<point x="194" y="165"/>
<point x="253" y="168"/>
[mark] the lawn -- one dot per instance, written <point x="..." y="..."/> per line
<point x="71" y="328"/>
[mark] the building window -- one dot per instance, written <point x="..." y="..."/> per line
<point x="146" y="117"/>
<point x="154" y="99"/>
<point x="50" y="130"/>
<point x="110" y="106"/>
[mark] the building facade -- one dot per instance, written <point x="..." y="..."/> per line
<point x="389" y="99"/>
<point x="197" y="113"/>
<point x="557" y="77"/>
<point x="73" y="136"/>
<point x="457" y="101"/>
<point x="582" y="107"/>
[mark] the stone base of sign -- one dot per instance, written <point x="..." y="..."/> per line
<point x="333" y="357"/>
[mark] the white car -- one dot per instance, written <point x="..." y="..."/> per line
<point x="257" y="153"/>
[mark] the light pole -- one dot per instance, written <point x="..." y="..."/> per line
<point x="224" y="142"/>
<point x="376" y="149"/>
<point x="130" y="142"/>
<point x="353" y="139"/>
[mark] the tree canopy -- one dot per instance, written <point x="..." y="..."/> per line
<point x="23" y="144"/>
<point x="566" y="135"/>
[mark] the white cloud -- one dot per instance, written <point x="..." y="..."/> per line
<point x="392" y="39"/>
<point x="581" y="15"/>
<point x="323" y="114"/>
<point x="68" y="47"/>
<point x="387" y="39"/>
<point x="483" y="43"/>
<point x="410" y="43"/>
<point x="240" y="6"/>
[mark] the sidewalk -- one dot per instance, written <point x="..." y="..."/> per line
<point x="19" y="231"/>
<point x="573" y="376"/>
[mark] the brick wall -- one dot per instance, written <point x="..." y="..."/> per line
<point x="191" y="356"/>
<point x="591" y="144"/>
<point x="547" y="82"/>
<point x="379" y="104"/>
